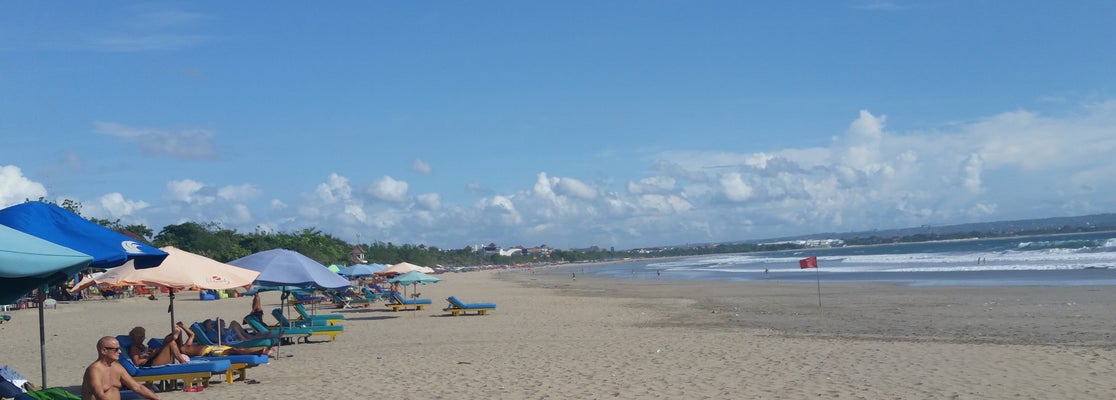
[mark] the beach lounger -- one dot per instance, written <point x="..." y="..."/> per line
<point x="456" y="307"/>
<point x="201" y="338"/>
<point x="191" y="374"/>
<point x="329" y="330"/>
<point x="239" y="363"/>
<point x="297" y="333"/>
<point x="282" y="332"/>
<point x="319" y="319"/>
<point x="398" y="302"/>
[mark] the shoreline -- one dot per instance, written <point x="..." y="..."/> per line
<point x="596" y="338"/>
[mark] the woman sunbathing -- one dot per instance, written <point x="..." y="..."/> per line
<point x="144" y="356"/>
<point x="187" y="346"/>
<point x="233" y="334"/>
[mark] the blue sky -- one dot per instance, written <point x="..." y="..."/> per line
<point x="571" y="124"/>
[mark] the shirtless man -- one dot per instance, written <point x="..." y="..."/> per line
<point x="104" y="377"/>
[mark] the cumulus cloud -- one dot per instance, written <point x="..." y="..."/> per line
<point x="420" y="166"/>
<point x="388" y="189"/>
<point x="15" y="188"/>
<point x="335" y="189"/>
<point x="574" y="188"/>
<point x="866" y="177"/>
<point x="734" y="188"/>
<point x="429" y="201"/>
<point x="654" y="184"/>
<point x="190" y="191"/>
<point x="187" y="144"/>
<point x="116" y="206"/>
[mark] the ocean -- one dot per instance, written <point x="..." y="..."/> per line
<point x="1055" y="260"/>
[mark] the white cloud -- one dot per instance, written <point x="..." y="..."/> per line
<point x="574" y="188"/>
<point x="420" y="166"/>
<point x="188" y="144"/>
<point x="654" y="184"/>
<point x="1003" y="166"/>
<point x="388" y="189"/>
<point x="190" y="191"/>
<point x="335" y="189"/>
<point x="429" y="201"/>
<point x="15" y="188"/>
<point x="238" y="192"/>
<point x="116" y="206"/>
<point x="734" y="188"/>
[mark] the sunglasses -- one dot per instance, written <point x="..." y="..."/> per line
<point x="112" y="348"/>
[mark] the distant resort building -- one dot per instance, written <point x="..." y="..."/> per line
<point x="812" y="243"/>
<point x="492" y="249"/>
<point x="356" y="255"/>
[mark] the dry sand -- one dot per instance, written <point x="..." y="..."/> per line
<point x="556" y="338"/>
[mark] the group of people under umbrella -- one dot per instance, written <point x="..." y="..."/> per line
<point x="43" y="244"/>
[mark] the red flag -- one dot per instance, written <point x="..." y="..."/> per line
<point x="809" y="262"/>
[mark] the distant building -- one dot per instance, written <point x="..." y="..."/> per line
<point x="356" y="255"/>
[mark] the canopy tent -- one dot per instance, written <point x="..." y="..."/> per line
<point x="55" y="224"/>
<point x="334" y="268"/>
<point x="182" y="270"/>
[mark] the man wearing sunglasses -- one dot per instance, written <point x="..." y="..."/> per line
<point x="104" y="377"/>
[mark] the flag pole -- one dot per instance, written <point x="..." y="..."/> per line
<point x="817" y="273"/>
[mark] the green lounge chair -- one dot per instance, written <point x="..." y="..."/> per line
<point x="329" y="330"/>
<point x="317" y="320"/>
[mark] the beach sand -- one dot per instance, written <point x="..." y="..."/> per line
<point x="553" y="337"/>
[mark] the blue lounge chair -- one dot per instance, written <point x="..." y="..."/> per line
<point x="319" y="319"/>
<point x="330" y="330"/>
<point x="456" y="307"/>
<point x="191" y="373"/>
<point x="397" y="302"/>
<point x="239" y="363"/>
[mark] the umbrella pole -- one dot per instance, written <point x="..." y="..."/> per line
<point x="42" y="335"/>
<point x="170" y="308"/>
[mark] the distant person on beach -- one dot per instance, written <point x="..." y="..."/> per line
<point x="104" y="377"/>
<point x="235" y="333"/>
<point x="257" y="309"/>
<point x="573" y="275"/>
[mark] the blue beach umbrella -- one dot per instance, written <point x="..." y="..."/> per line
<point x="55" y="224"/>
<point x="282" y="267"/>
<point x="27" y="263"/>
<point x="359" y="270"/>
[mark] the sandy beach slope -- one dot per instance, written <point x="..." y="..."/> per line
<point x="553" y="337"/>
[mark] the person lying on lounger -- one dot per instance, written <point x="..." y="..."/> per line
<point x="187" y="346"/>
<point x="144" y="356"/>
<point x="233" y="334"/>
